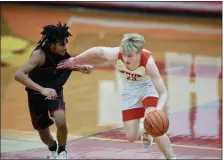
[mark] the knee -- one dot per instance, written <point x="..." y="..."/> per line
<point x="44" y="132"/>
<point x="59" y="117"/>
<point x="131" y="138"/>
<point x="61" y="126"/>
<point x="44" y="135"/>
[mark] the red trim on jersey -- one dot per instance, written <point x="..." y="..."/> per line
<point x="131" y="114"/>
<point x="144" y="58"/>
<point x="137" y="113"/>
<point x="120" y="56"/>
<point x="150" y="102"/>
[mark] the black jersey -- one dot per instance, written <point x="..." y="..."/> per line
<point x="48" y="75"/>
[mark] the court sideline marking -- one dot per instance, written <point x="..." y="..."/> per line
<point x="145" y="25"/>
<point x="174" y="145"/>
<point x="108" y="139"/>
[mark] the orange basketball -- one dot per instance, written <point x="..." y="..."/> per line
<point x="156" y="123"/>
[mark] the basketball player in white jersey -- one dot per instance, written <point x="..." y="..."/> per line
<point x="142" y="87"/>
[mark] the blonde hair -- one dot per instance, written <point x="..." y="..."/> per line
<point x="132" y="43"/>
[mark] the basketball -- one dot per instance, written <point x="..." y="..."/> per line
<point x="156" y="123"/>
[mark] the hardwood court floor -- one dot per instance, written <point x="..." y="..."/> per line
<point x="187" y="52"/>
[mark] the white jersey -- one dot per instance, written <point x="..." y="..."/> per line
<point x="135" y="84"/>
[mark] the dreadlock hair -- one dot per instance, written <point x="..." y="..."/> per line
<point x="54" y="33"/>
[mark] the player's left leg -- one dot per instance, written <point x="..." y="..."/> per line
<point x="163" y="142"/>
<point x="57" y="111"/>
<point x="60" y="121"/>
<point x="148" y="104"/>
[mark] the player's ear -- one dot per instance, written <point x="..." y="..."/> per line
<point x="52" y="46"/>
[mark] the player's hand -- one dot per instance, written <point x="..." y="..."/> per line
<point x="67" y="63"/>
<point x="49" y="93"/>
<point x="86" y="69"/>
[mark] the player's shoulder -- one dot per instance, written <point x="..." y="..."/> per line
<point x="148" y="57"/>
<point x="147" y="52"/>
<point x="38" y="55"/>
<point x="150" y="62"/>
<point x="145" y="56"/>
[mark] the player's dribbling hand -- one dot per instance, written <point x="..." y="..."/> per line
<point x="86" y="69"/>
<point x="49" y="93"/>
<point x="67" y="63"/>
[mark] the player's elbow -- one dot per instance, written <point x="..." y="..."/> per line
<point x="163" y="93"/>
<point x="95" y="51"/>
<point x="101" y="52"/>
<point x="166" y="95"/>
<point x="18" y="75"/>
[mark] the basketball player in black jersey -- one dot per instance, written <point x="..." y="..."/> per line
<point x="44" y="86"/>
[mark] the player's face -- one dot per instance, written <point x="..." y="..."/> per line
<point x="60" y="48"/>
<point x="130" y="58"/>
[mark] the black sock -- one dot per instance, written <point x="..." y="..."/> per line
<point x="53" y="147"/>
<point x="61" y="149"/>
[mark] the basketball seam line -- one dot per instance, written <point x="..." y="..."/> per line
<point x="154" y="124"/>
<point x="147" y="125"/>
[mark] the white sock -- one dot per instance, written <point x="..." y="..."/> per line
<point x="173" y="157"/>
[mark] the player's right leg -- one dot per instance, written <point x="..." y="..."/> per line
<point x="131" y="129"/>
<point x="47" y="139"/>
<point x="41" y="121"/>
<point x="131" y="120"/>
<point x="132" y="112"/>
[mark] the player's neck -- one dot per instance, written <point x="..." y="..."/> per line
<point x="134" y="65"/>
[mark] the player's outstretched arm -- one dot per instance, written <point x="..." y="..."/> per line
<point x="107" y="53"/>
<point x="157" y="80"/>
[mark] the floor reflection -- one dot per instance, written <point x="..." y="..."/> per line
<point x="200" y="126"/>
<point x="195" y="107"/>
